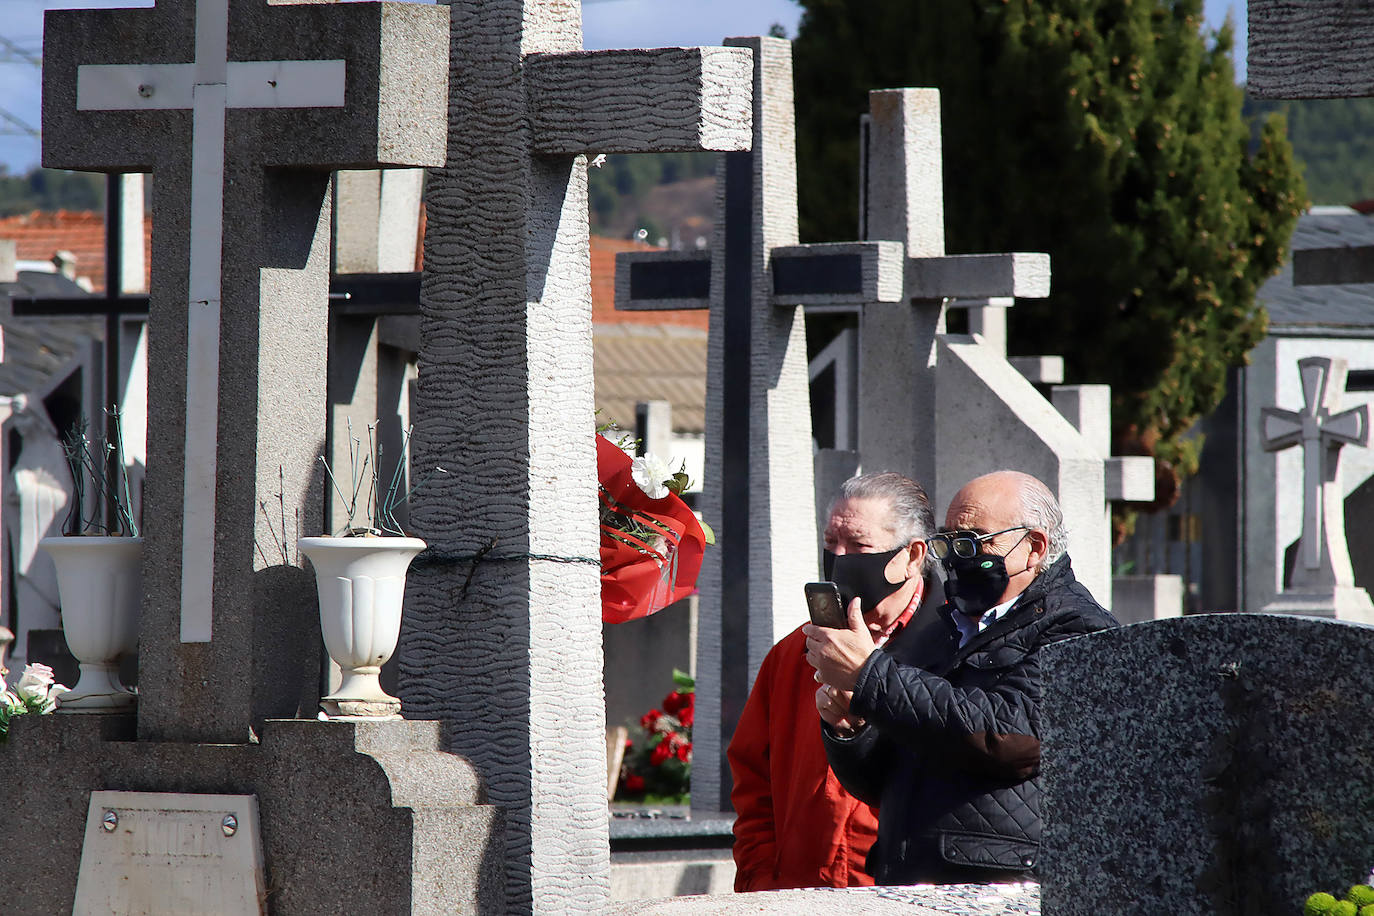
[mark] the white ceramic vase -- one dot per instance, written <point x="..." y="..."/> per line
<point x="100" y="587"/>
<point x="362" y="583"/>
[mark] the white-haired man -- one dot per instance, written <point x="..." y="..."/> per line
<point x="795" y="825"/>
<point x="941" y="730"/>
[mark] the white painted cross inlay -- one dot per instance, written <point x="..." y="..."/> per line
<point x="207" y="87"/>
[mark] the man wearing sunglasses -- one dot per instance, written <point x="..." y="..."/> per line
<point x="940" y="729"/>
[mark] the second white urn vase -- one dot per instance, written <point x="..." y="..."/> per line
<point x="100" y="586"/>
<point x="362" y="583"/>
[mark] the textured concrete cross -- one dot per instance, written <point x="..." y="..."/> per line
<point x="502" y="638"/>
<point x="240" y="110"/>
<point x="1322" y="432"/>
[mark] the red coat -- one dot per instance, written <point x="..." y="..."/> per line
<point x="795" y="825"/>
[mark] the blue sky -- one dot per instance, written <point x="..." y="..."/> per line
<point x="605" y="24"/>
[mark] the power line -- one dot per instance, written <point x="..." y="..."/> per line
<point x="18" y="127"/>
<point x="18" y="54"/>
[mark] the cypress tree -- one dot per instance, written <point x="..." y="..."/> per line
<point x="1106" y="132"/>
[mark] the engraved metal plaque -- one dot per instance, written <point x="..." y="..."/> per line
<point x="154" y="853"/>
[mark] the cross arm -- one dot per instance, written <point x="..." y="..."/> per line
<point x="1350" y="427"/>
<point x="1326" y="266"/>
<point x="1279" y="428"/>
<point x="839" y="273"/>
<point x="662" y="280"/>
<point x="660" y="100"/>
<point x="1310" y="49"/>
<point x="1130" y="478"/>
<point x="1024" y="275"/>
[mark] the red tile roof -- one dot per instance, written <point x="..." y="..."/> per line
<point x="41" y="234"/>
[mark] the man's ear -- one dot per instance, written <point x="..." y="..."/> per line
<point x="916" y="558"/>
<point x="1039" y="546"/>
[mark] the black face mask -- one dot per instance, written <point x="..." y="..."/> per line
<point x="976" y="584"/>
<point x="860" y="575"/>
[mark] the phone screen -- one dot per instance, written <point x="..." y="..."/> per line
<point x="823" y="602"/>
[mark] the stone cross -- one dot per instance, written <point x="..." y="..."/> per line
<point x="1322" y="582"/>
<point x="944" y="408"/>
<point x="241" y="110"/>
<point x="757" y="479"/>
<point x="501" y="638"/>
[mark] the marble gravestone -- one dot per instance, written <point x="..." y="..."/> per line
<point x="1322" y="582"/>
<point x="241" y="110"/>
<point x="758" y="428"/>
<point x="502" y="634"/>
<point x="1206" y="764"/>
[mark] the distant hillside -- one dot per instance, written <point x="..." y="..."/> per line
<point x="50" y="189"/>
<point x="671" y="196"/>
<point x="1334" y="139"/>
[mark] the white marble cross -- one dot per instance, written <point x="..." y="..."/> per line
<point x="207" y="87"/>
<point x="1321" y="431"/>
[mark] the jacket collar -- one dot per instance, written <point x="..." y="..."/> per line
<point x="1056" y="576"/>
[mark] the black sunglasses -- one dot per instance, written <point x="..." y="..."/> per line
<point x="964" y="544"/>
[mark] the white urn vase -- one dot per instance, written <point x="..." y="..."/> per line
<point x="362" y="583"/>
<point x="100" y="587"/>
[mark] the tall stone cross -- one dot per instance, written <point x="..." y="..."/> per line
<point x="758" y="413"/>
<point x="943" y="408"/>
<point x="502" y="634"/>
<point x="1322" y="581"/>
<point x="241" y="110"/>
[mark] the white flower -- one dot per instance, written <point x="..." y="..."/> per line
<point x="652" y="474"/>
<point x="54" y="698"/>
<point x="34" y="682"/>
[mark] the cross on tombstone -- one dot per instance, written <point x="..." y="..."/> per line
<point x="757" y="480"/>
<point x="241" y="110"/>
<point x="1322" y="581"/>
<point x="501" y="638"/>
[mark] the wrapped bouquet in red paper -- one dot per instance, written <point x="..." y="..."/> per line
<point x="651" y="542"/>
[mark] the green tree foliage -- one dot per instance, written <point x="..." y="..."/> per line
<point x="622" y="179"/>
<point x="1334" y="141"/>
<point x="50" y="189"/>
<point x="1106" y="132"/>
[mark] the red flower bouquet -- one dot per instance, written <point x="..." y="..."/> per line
<point x="651" y="542"/>
<point x="658" y="765"/>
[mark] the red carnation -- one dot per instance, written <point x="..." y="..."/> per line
<point x="633" y="782"/>
<point x="649" y="720"/>
<point x="687" y="715"/>
<point x="673" y="702"/>
<point x="684" y="751"/>
<point x="661" y="752"/>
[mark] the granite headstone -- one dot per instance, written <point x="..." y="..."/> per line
<point x="1207" y="764"/>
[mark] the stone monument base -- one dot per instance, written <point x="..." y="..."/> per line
<point x="1340" y="602"/>
<point x="357" y="817"/>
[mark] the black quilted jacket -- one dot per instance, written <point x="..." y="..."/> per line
<point x="952" y="750"/>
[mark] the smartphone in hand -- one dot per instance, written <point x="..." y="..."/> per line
<point x="823" y="601"/>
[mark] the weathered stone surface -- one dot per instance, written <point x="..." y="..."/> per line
<point x="1310" y="49"/>
<point x="916" y="900"/>
<point x="1206" y="764"/>
<point x="356" y="818"/>
<point x="502" y="632"/>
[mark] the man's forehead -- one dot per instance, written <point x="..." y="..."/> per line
<point x="982" y="507"/>
<point x="853" y="514"/>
